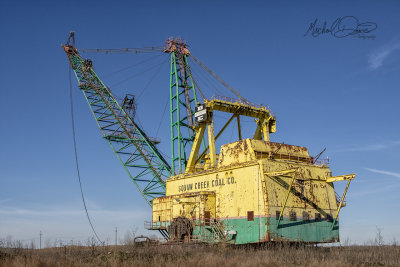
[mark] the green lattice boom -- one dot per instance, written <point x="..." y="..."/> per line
<point x="140" y="158"/>
<point x="182" y="98"/>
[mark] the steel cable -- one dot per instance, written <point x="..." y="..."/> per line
<point x="136" y="74"/>
<point x="76" y="157"/>
<point x="204" y="78"/>
<point x="152" y="78"/>
<point x="121" y="50"/>
<point x="131" y="66"/>
<point x="220" y="80"/>
<point x="162" y="117"/>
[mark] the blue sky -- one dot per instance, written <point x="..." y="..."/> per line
<point x="338" y="93"/>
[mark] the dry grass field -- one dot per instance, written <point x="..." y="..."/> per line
<point x="167" y="255"/>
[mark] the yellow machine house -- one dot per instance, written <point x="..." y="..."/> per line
<point x="254" y="190"/>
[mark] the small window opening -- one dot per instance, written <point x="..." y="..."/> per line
<point x="277" y="214"/>
<point x="292" y="216"/>
<point x="250" y="215"/>
<point x="306" y="216"/>
<point x="207" y="216"/>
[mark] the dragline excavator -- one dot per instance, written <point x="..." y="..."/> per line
<point x="252" y="191"/>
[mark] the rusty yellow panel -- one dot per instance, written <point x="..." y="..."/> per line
<point x="310" y="192"/>
<point x="295" y="152"/>
<point x="162" y="209"/>
<point x="237" y="190"/>
<point x="236" y="153"/>
<point x="185" y="206"/>
<point x="189" y="205"/>
<point x="305" y="171"/>
<point x="249" y="149"/>
<point x="316" y="193"/>
<point x="209" y="204"/>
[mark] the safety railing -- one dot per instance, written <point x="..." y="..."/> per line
<point x="235" y="100"/>
<point x="338" y="199"/>
<point x="271" y="155"/>
<point x="206" y="230"/>
<point x="149" y="225"/>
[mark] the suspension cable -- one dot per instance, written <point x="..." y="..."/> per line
<point x="197" y="87"/>
<point x="162" y="117"/>
<point x="204" y="78"/>
<point x="220" y="80"/>
<point x="122" y="50"/>
<point x="76" y="157"/>
<point x="131" y="66"/>
<point x="137" y="74"/>
<point x="151" y="79"/>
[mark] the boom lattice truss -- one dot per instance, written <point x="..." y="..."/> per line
<point x="183" y="99"/>
<point x="137" y="153"/>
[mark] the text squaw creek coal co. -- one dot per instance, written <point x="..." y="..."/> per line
<point x="206" y="184"/>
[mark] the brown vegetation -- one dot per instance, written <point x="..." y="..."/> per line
<point x="167" y="255"/>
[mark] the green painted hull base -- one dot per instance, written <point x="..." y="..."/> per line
<point x="264" y="229"/>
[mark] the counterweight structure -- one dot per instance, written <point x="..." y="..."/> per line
<point x="252" y="191"/>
